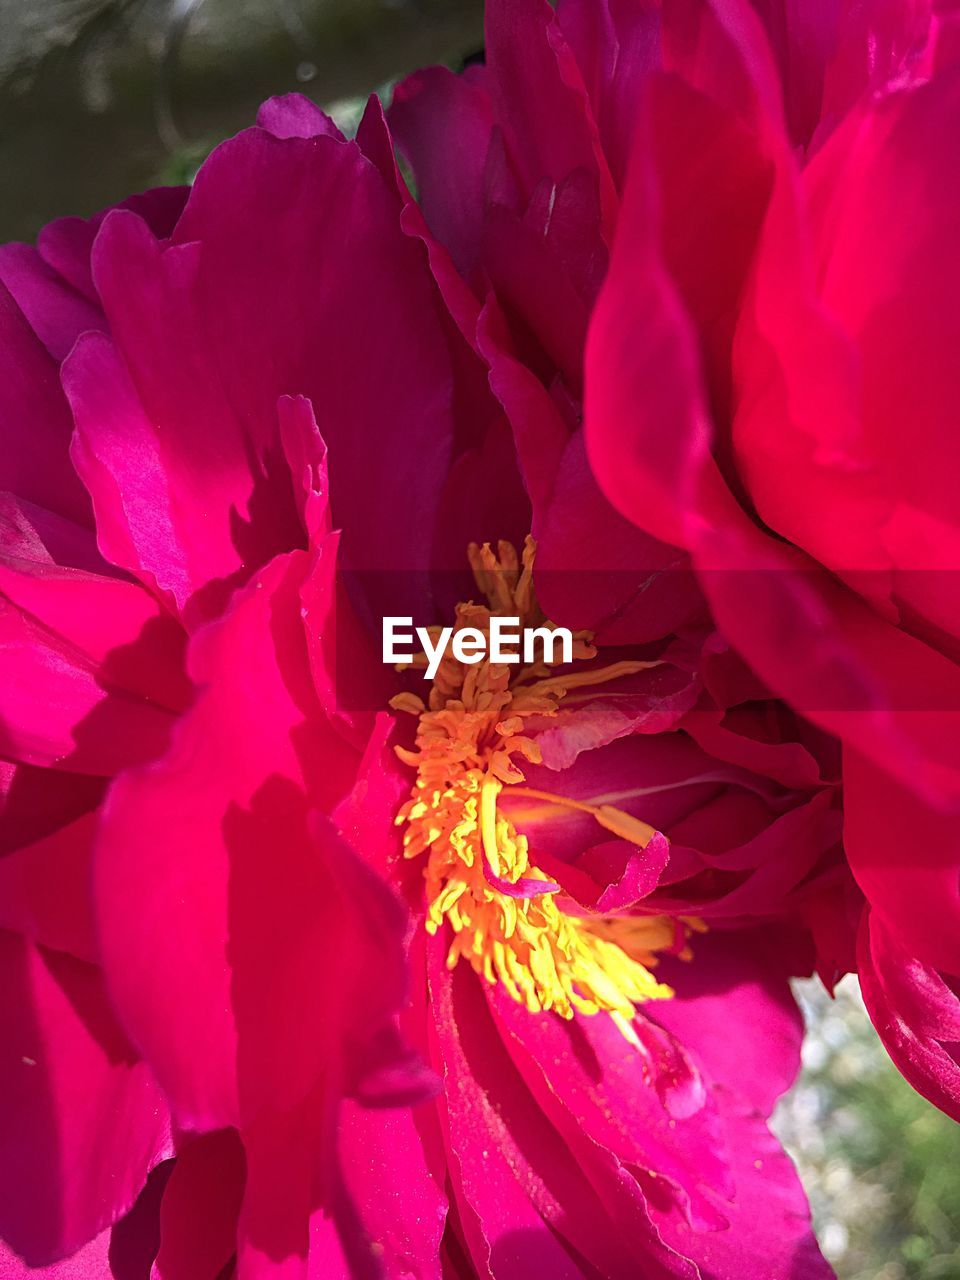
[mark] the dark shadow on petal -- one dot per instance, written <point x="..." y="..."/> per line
<point x="135" y="1239"/>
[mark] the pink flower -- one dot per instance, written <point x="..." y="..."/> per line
<point x="736" y="180"/>
<point x="291" y="416"/>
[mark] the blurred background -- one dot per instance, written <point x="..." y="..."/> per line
<point x="880" y="1165"/>
<point x="99" y="98"/>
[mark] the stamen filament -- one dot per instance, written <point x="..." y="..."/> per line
<point x="616" y="820"/>
<point x="577" y="680"/>
<point x="488" y="823"/>
<point x="472" y="742"/>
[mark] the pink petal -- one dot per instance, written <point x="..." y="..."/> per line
<point x="540" y="433"/>
<point x="306" y="456"/>
<point x="291" y="115"/>
<point x="860" y="679"/>
<point x="533" y="78"/>
<point x="768" y="867"/>
<point x="642" y="373"/>
<point x="357" y="331"/>
<point x="56" y="312"/>
<point x="91" y="1262"/>
<point x="244" y="980"/>
<point x="396" y="1198"/>
<point x="734" y="1013"/>
<point x="34" y="463"/>
<point x="769" y="1233"/>
<point x="877" y="46"/>
<point x="650" y="702"/>
<point x="154" y="490"/>
<point x="125" y="1252"/>
<point x="610" y="1089"/>
<point x="443" y="124"/>
<point x="198" y="1213"/>
<point x="663" y="780"/>
<point x="616" y="46"/>
<point x="106" y="659"/>
<point x="596" y="570"/>
<point x="349" y="677"/>
<point x="916" y="1013"/>
<point x="84" y="1122"/>
<point x="516" y="1187"/>
<point x="904" y="854"/>
<point x="36" y="802"/>
<point x="365" y="817"/>
<point x="45" y="889"/>
<point x="66" y="244"/>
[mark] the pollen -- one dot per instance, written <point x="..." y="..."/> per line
<point x="481" y="879"/>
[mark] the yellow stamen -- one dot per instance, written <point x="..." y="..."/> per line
<point x="470" y="746"/>
<point x="616" y="820"/>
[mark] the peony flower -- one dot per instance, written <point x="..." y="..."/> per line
<point x="683" y="191"/>
<point x="292" y="416"/>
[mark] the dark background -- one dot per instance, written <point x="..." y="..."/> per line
<point x="99" y="98"/>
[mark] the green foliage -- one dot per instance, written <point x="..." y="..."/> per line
<point x="880" y="1164"/>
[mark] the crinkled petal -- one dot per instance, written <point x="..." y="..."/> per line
<point x="916" y="1013"/>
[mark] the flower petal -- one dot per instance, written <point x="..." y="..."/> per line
<point x="83" y="1121"/>
<point x="916" y="1013"/>
<point x="92" y="670"/>
<point x="243" y="978"/>
<point x="358" y="331"/>
<point x="443" y="124"/>
<point x="519" y="1195"/>
<point x="734" y="1013"/>
<point x="904" y="855"/>
<point x="198" y="1213"/>
<point x="34" y="463"/>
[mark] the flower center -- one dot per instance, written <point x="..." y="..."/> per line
<point x="480" y="878"/>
